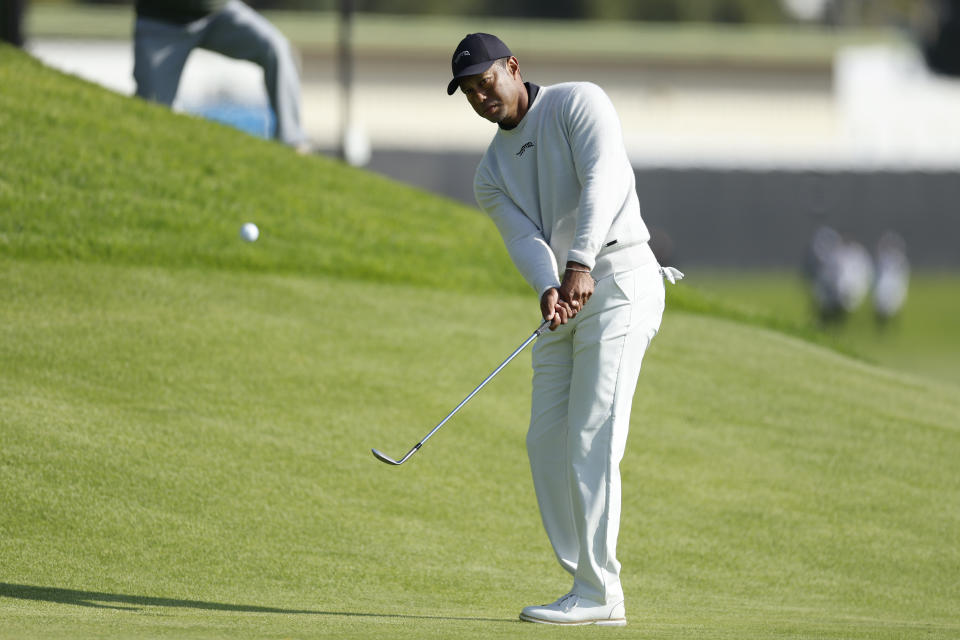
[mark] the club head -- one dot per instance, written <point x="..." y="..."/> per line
<point x="382" y="457"/>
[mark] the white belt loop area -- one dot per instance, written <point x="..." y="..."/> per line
<point x="623" y="259"/>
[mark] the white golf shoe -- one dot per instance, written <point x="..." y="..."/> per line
<point x="571" y="609"/>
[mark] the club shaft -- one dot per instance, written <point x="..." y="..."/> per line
<point x="490" y="377"/>
<point x="543" y="327"/>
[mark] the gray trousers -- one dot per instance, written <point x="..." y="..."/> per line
<point x="237" y="31"/>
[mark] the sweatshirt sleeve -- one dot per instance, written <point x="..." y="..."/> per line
<point x="524" y="241"/>
<point x="599" y="155"/>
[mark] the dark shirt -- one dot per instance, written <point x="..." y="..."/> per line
<point x="178" y="11"/>
<point x="532" y="90"/>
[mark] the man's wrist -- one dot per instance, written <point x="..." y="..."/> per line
<point x="546" y="288"/>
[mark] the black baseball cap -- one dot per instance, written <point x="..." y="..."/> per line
<point x="474" y="55"/>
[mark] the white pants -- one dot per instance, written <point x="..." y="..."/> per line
<point x="236" y="31"/>
<point x="585" y="375"/>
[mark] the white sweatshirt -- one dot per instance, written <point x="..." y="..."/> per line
<point x="559" y="186"/>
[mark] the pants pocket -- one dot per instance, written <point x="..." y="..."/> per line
<point x="626" y="283"/>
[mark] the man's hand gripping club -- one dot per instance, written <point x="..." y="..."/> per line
<point x="559" y="306"/>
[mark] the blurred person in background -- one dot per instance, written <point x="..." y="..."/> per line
<point x="11" y="21"/>
<point x="941" y="40"/>
<point x="893" y="277"/>
<point x="166" y="31"/>
<point x="855" y="276"/>
<point x="557" y="183"/>
<point x="821" y="268"/>
<point x="840" y="272"/>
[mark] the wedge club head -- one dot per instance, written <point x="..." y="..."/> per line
<point x="382" y="457"/>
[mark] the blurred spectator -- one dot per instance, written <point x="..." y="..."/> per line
<point x="840" y="272"/>
<point x="942" y="44"/>
<point x="893" y="276"/>
<point x="11" y="19"/>
<point x="167" y="31"/>
<point x="856" y="275"/>
<point x="821" y="268"/>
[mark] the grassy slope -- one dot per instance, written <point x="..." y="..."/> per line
<point x="186" y="419"/>
<point x="94" y="176"/>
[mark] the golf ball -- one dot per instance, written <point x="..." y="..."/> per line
<point x="249" y="232"/>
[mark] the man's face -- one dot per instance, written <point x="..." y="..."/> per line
<point x="495" y="93"/>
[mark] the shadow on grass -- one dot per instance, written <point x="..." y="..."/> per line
<point x="123" y="602"/>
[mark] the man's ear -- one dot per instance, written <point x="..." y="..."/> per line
<point x="513" y="66"/>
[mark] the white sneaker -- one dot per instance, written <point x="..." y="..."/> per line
<point x="571" y="609"/>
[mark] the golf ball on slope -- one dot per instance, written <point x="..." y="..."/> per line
<point x="249" y="232"/>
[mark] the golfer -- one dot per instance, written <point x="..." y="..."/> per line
<point x="557" y="183"/>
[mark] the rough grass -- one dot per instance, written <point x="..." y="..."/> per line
<point x="185" y="420"/>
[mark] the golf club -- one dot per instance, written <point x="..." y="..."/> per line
<point x="385" y="458"/>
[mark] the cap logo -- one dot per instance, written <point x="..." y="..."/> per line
<point x="460" y="55"/>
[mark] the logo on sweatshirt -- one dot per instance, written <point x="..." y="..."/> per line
<point x="523" y="149"/>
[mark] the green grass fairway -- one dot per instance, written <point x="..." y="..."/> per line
<point x="186" y="420"/>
